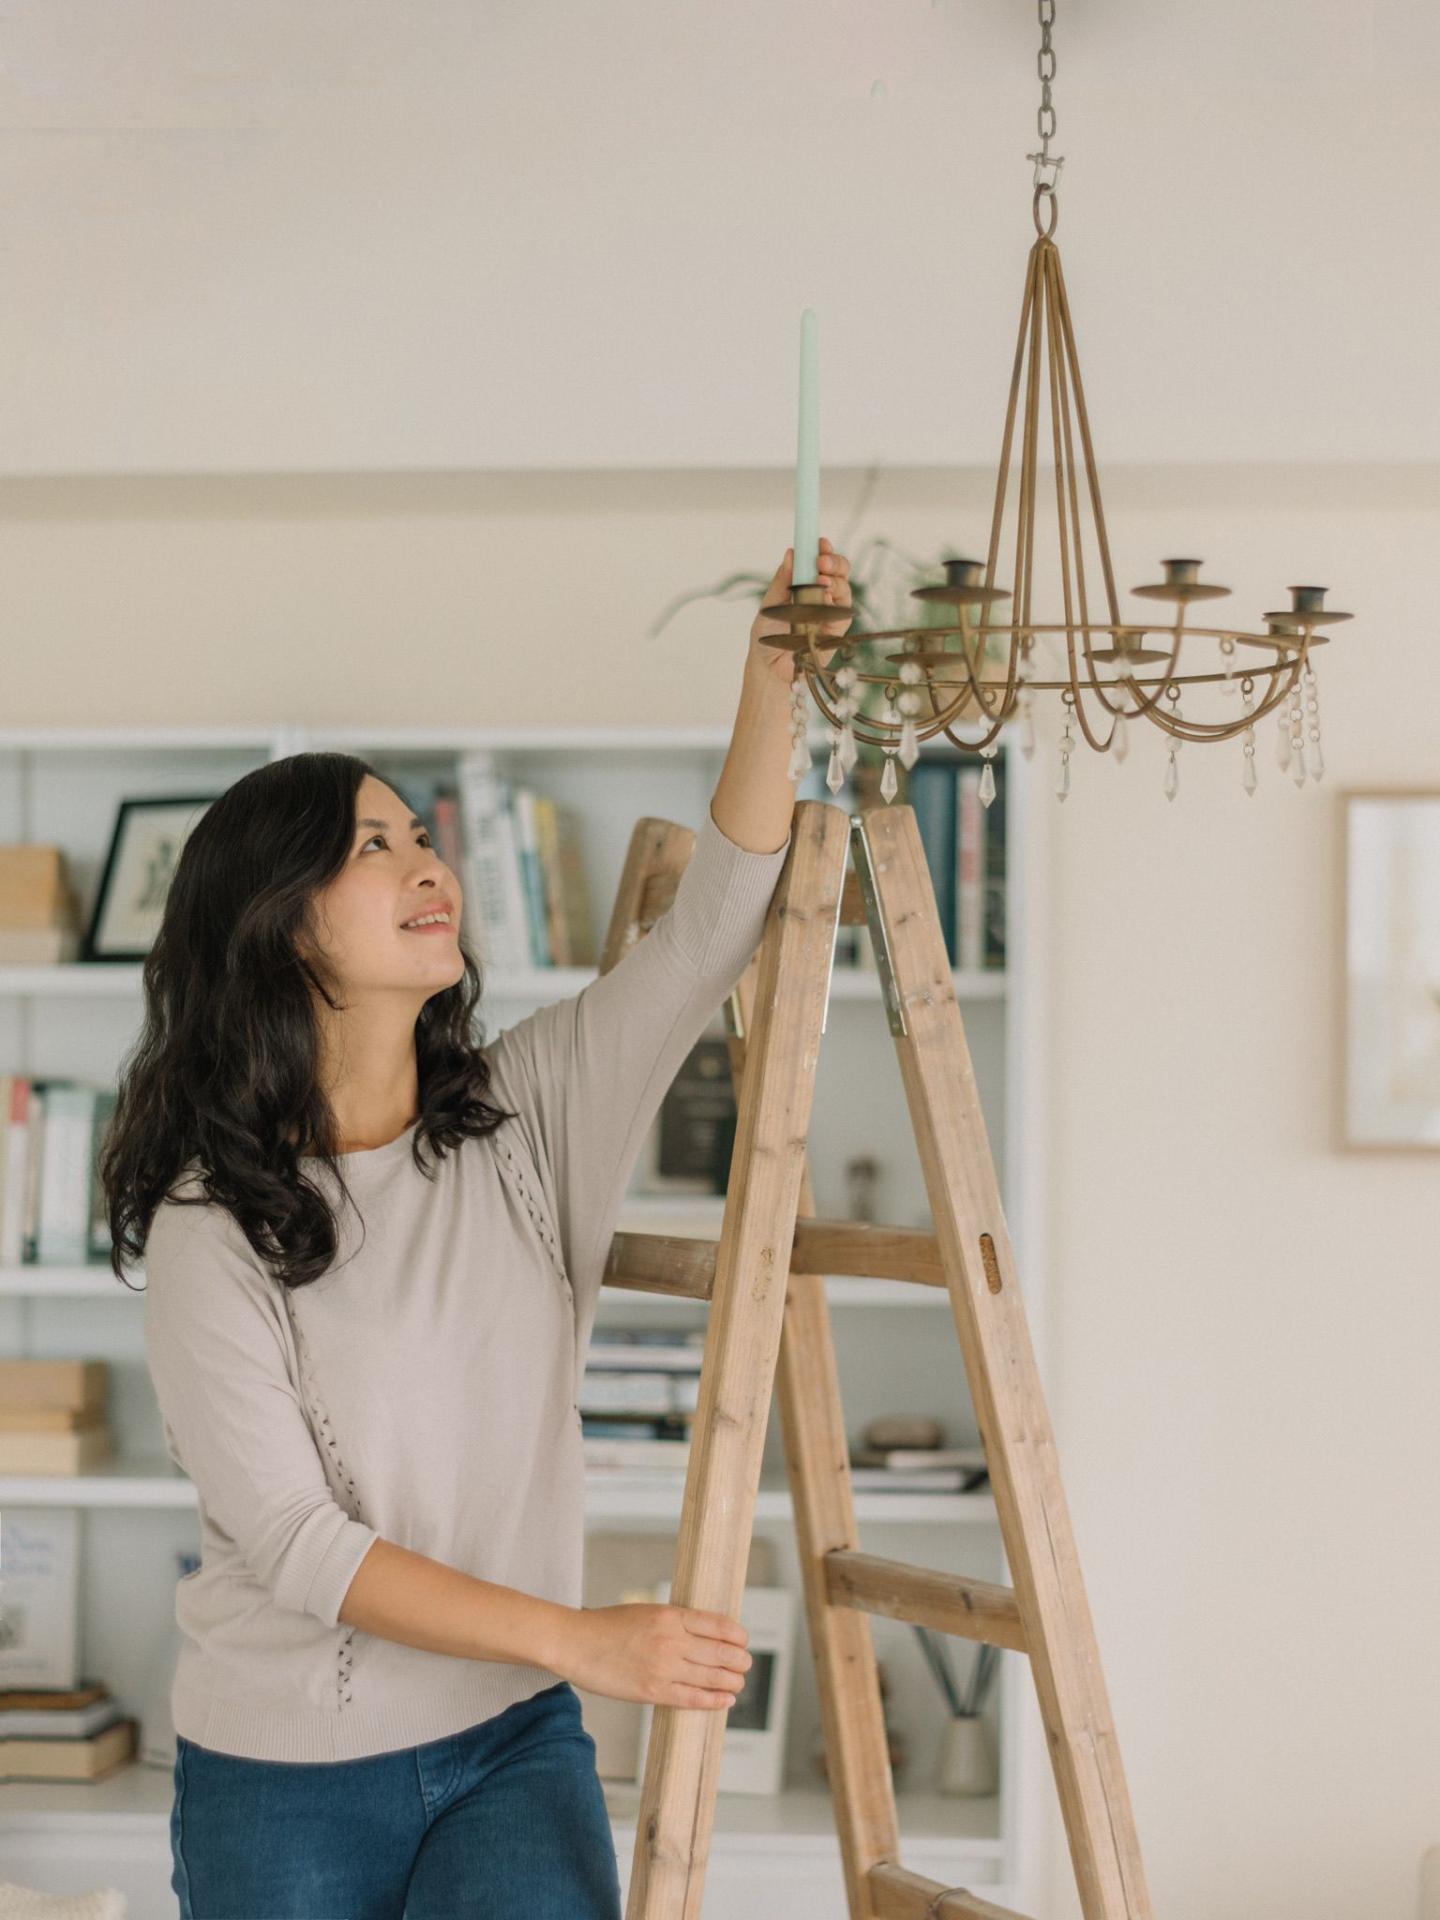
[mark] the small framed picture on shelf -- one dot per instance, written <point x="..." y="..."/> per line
<point x="1392" y="968"/>
<point x="144" y="850"/>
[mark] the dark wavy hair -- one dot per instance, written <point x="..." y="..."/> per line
<point x="225" y="1071"/>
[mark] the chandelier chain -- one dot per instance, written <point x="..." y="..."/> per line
<point x="1045" y="116"/>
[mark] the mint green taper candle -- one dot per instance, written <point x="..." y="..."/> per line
<point x="806" y="568"/>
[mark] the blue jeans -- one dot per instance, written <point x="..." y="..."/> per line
<point x="504" y="1820"/>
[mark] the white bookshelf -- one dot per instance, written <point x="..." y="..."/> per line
<point x="64" y="785"/>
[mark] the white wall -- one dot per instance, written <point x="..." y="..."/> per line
<point x="1242" y="1321"/>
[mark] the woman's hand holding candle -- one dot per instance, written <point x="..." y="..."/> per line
<point x="777" y="664"/>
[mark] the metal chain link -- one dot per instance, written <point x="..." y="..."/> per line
<point x="1045" y="117"/>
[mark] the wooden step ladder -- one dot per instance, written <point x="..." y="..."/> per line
<point x="764" y="1281"/>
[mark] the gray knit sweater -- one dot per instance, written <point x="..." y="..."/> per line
<point x="425" y="1389"/>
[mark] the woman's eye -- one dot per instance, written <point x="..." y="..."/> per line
<point x="424" y="840"/>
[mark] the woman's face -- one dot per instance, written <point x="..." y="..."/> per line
<point x="393" y="874"/>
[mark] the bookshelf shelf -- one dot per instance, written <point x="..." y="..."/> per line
<point x="141" y="1481"/>
<point x="121" y="980"/>
<point x="97" y="1282"/>
<point x="135" y="1801"/>
<point x="138" y="1509"/>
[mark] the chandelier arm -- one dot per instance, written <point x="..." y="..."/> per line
<point x="885" y="730"/>
<point x="1092" y="472"/>
<point x="1061" y="528"/>
<point x="1058" y="353"/>
<point x="1146" y="707"/>
<point x="1203" y="730"/>
<point x="1025" y="523"/>
<point x="1002" y="479"/>
<point x="1099" y="688"/>
<point x="1184" y="679"/>
<point x="999" y="714"/>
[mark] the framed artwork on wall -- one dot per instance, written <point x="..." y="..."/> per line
<point x="1392" y="968"/>
<point x="144" y="849"/>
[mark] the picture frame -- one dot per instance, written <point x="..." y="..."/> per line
<point x="1391" y="974"/>
<point x="145" y="845"/>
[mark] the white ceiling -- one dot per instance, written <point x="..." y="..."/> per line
<point x="446" y="234"/>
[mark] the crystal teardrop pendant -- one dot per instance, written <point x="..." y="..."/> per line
<point x="1172" y="777"/>
<point x="799" y="730"/>
<point x="849" y="747"/>
<point x="1122" y="737"/>
<point x="1312" y="709"/>
<point x="1027" y="724"/>
<point x="888" y="779"/>
<point x="1298" y="755"/>
<point x="1062" y="785"/>
<point x="987" y="785"/>
<point x="1248" y="741"/>
<point x="909" y="742"/>
<point x="835" y="773"/>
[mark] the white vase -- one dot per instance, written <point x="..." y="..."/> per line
<point x="967" y="1756"/>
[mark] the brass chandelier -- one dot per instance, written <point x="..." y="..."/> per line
<point x="1111" y="675"/>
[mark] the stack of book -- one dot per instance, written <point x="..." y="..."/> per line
<point x="637" y="1404"/>
<point x="64" y="1733"/>
<point x="918" y="1469"/>
<point x="39" y="907"/>
<point x="52" y="1206"/>
<point x="518" y="857"/>
<point x="52" y="1416"/>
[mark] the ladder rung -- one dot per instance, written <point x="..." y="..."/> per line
<point x="678" y="1265"/>
<point x="949" y="1602"/>
<point x="898" y="1894"/>
<point x="865" y="1251"/>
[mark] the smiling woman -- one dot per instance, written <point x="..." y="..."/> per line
<point x="387" y="932"/>
<point x="289" y="1010"/>
<point x="378" y="1401"/>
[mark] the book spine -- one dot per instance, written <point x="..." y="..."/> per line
<point x="497" y="938"/>
<point x="970" y="874"/>
<point x="520" y="941"/>
<point x="547" y="833"/>
<point x="100" y="1237"/>
<point x="932" y="795"/>
<point x="447" y="832"/>
<point x="34" y="1162"/>
<point x="580" y="945"/>
<point x="17" y="1146"/>
<point x="63" y="1226"/>
<point x="528" y="840"/>
<point x="996" y="857"/>
<point x="7" y="1094"/>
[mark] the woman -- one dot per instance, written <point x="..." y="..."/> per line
<point x="373" y="1252"/>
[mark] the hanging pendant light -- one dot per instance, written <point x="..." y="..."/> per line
<point x="1114" y="672"/>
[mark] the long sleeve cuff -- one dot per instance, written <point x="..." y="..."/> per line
<point x="324" y="1563"/>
